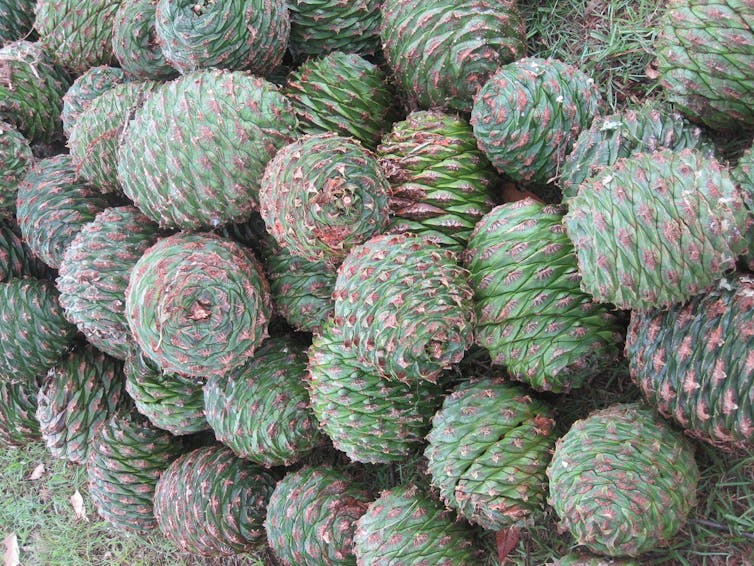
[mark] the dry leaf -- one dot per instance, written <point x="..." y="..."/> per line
<point x="651" y="70"/>
<point x="78" y="506"/>
<point x="38" y="472"/>
<point x="506" y="540"/>
<point x="511" y="193"/>
<point x="11" y="550"/>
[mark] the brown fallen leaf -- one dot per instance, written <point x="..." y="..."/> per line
<point x="78" y="506"/>
<point x="511" y="193"/>
<point x="38" y="472"/>
<point x="506" y="540"/>
<point x="651" y="70"/>
<point x="11" y="551"/>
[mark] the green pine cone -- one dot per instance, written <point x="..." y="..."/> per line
<point x="704" y="50"/>
<point x="443" y="51"/>
<point x="371" y="419"/>
<point x="251" y="233"/>
<point x="694" y="362"/>
<point x="622" y="481"/>
<point x="34" y="334"/>
<point x="656" y="228"/>
<point x="94" y="274"/>
<point x="198" y="304"/>
<point x="488" y="449"/>
<point x="241" y="121"/>
<point x="16" y="258"/>
<point x="527" y="116"/>
<point x="77" y="395"/>
<point x="321" y="195"/>
<point x="170" y="401"/>
<point x="223" y="34"/>
<point x="77" y="32"/>
<point x="301" y="289"/>
<point x="345" y="94"/>
<point x="743" y="175"/>
<point x="16" y="159"/>
<point x="126" y="458"/>
<point x="53" y="205"/>
<point x="625" y="134"/>
<point x="532" y="316"/>
<point x="31" y="91"/>
<point x="94" y="139"/>
<point x="319" y="27"/>
<point x="405" y="306"/>
<point x="261" y="411"/>
<point x="405" y="527"/>
<point x="16" y="20"/>
<point x="18" y="407"/>
<point x="211" y="503"/>
<point x="135" y="44"/>
<point x="311" y="517"/>
<point x="85" y="89"/>
<point x="440" y="181"/>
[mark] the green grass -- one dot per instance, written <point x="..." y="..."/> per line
<point x="40" y="513"/>
<point x="612" y="41"/>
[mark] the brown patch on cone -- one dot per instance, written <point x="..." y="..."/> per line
<point x="200" y="311"/>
